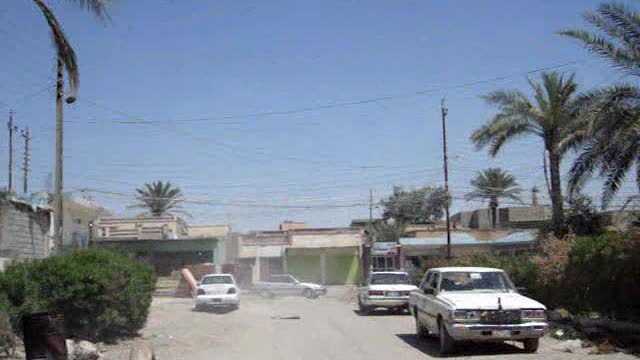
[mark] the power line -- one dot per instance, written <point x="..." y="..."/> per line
<point x="133" y="120"/>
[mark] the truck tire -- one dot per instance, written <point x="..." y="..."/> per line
<point x="531" y="345"/>
<point x="362" y="308"/>
<point x="421" y="331"/>
<point x="447" y="344"/>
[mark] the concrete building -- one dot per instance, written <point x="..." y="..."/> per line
<point x="329" y="256"/>
<point x="25" y="231"/>
<point x="515" y="217"/>
<point x="80" y="213"/>
<point x="263" y="251"/>
<point x="321" y="255"/>
<point x="167" y="242"/>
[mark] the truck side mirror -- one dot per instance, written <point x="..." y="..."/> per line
<point x="429" y="291"/>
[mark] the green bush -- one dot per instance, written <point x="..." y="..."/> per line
<point x="101" y="295"/>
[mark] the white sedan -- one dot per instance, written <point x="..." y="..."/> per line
<point x="385" y="289"/>
<point x="217" y="290"/>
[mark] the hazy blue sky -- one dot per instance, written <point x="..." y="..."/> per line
<point x="187" y="65"/>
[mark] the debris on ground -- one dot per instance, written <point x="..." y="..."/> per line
<point x="570" y="346"/>
<point x="286" y="317"/>
<point x="563" y="332"/>
<point x="82" y="350"/>
<point x="604" y="348"/>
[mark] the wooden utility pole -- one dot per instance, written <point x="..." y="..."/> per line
<point x="444" y="110"/>
<point x="25" y="164"/>
<point x="57" y="225"/>
<point x="12" y="128"/>
<point x="370" y="206"/>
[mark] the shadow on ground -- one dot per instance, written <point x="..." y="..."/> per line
<point x="380" y="313"/>
<point x="431" y="347"/>
<point x="215" y="310"/>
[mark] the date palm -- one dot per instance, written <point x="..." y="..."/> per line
<point x="549" y="116"/>
<point x="65" y="53"/>
<point x="608" y="140"/>
<point x="492" y="185"/>
<point x="159" y="198"/>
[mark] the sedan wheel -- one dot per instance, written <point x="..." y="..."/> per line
<point x="309" y="294"/>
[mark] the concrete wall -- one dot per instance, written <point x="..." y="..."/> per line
<point x="24" y="232"/>
<point x="76" y="223"/>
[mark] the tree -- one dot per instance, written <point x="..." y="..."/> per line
<point x="608" y="140"/>
<point x="65" y="52"/>
<point x="385" y="231"/>
<point x="549" y="116"/>
<point x="492" y="185"/>
<point x="420" y="206"/>
<point x="159" y="199"/>
<point x="582" y="217"/>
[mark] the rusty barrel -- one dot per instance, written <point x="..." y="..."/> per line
<point x="44" y="336"/>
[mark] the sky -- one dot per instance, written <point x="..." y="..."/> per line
<point x="282" y="110"/>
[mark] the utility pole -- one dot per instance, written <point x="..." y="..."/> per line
<point x="57" y="225"/>
<point x="25" y="164"/>
<point x="370" y="206"/>
<point x="444" y="110"/>
<point x="12" y="128"/>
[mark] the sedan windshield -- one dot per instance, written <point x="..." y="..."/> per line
<point x="217" y="280"/>
<point x="380" y="279"/>
<point x="467" y="281"/>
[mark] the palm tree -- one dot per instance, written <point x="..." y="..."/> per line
<point x="549" y="116"/>
<point x="608" y="140"/>
<point x="492" y="185"/>
<point x="159" y="199"/>
<point x="65" y="53"/>
<point x="66" y="61"/>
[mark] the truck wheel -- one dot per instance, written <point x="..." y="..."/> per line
<point x="362" y="308"/>
<point x="421" y="331"/>
<point x="447" y="344"/>
<point x="531" y="345"/>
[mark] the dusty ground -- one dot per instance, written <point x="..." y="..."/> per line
<point x="328" y="328"/>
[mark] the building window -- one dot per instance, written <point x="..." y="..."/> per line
<point x="384" y="263"/>
<point x="78" y="221"/>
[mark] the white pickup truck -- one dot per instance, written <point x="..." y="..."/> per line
<point x="474" y="303"/>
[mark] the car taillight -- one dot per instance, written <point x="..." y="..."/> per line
<point x="376" y="292"/>
<point x="201" y="292"/>
<point x="231" y="291"/>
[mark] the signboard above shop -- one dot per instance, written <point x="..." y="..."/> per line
<point x="385" y="248"/>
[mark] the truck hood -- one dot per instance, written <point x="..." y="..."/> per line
<point x="392" y="287"/>
<point x="488" y="301"/>
<point x="311" y="285"/>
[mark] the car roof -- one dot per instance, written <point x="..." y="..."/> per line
<point x="465" y="269"/>
<point x="208" y="275"/>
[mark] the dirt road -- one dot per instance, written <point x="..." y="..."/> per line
<point x="327" y="328"/>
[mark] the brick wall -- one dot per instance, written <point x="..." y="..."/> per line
<point x="23" y="231"/>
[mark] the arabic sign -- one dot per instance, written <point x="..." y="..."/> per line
<point x="385" y="248"/>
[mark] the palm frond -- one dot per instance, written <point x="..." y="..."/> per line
<point x="65" y="52"/>
<point x="96" y="7"/>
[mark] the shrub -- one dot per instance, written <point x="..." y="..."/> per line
<point x="100" y="294"/>
<point x="582" y="217"/>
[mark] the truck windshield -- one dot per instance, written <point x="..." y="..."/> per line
<point x="378" y="279"/>
<point x="217" y="280"/>
<point x="468" y="281"/>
